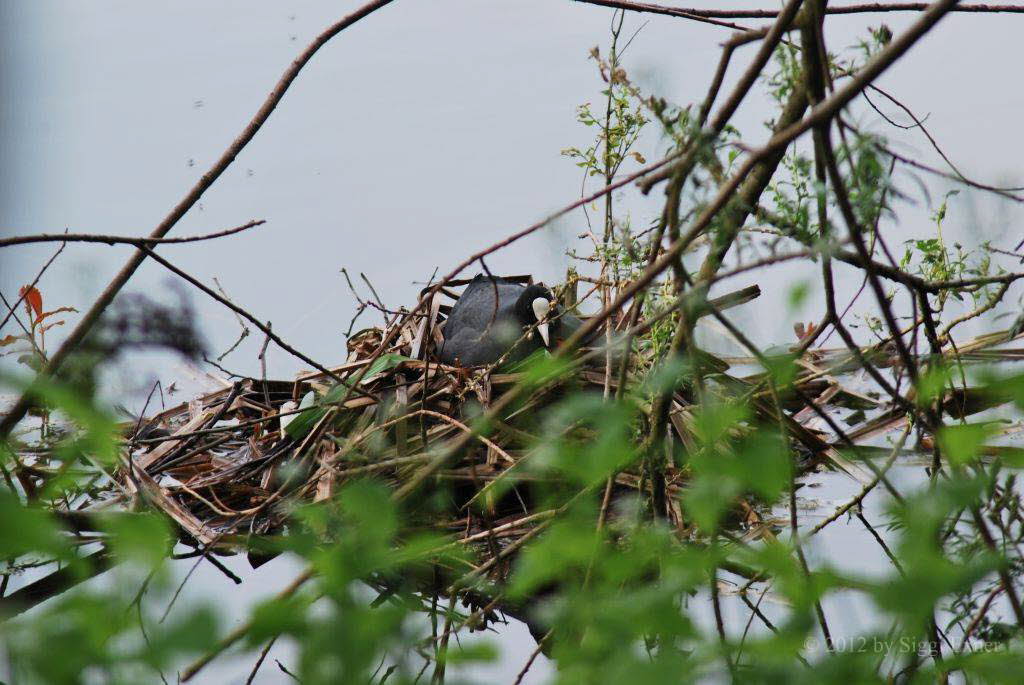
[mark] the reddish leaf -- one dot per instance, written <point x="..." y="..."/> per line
<point x="10" y="340"/>
<point x="33" y="298"/>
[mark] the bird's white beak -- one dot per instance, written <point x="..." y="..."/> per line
<point x="542" y="328"/>
<point x="541" y="307"/>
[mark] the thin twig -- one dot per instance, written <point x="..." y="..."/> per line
<point x="122" y="240"/>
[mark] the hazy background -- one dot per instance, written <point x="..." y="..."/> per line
<point x="423" y="133"/>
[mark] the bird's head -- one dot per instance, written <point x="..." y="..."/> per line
<point x="535" y="307"/>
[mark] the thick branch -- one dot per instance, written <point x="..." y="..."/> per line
<point x="54" y="584"/>
<point x="750" y="192"/>
<point x="688" y="157"/>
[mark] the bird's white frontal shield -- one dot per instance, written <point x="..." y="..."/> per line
<point x="541" y="307"/>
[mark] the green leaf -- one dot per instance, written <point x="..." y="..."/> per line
<point x="932" y="384"/>
<point x="707" y="499"/>
<point x="479" y="652"/>
<point x="961" y="443"/>
<point x="276" y="616"/>
<point x="26" y="529"/>
<point x="144" y="538"/>
<point x="764" y="464"/>
<point x="305" y="421"/>
<point x="798" y="294"/>
<point x="384" y="363"/>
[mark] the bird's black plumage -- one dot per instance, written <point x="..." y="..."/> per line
<point x="482" y="328"/>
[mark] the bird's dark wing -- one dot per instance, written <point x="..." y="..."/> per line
<point x="477" y="331"/>
<point x="468" y="348"/>
<point x="476" y="308"/>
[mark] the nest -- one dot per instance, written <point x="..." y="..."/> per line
<point x="229" y="466"/>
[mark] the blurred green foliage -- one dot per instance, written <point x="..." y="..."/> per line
<point x="616" y="594"/>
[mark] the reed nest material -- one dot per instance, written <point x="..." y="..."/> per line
<point x="230" y="464"/>
<point x="228" y="467"/>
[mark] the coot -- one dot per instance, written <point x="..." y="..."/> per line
<point x="478" y="332"/>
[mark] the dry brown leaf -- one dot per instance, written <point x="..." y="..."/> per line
<point x="50" y="313"/>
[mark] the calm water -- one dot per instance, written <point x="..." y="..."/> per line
<point x="424" y="133"/>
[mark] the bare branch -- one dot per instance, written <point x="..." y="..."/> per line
<point x="122" y="240"/>
<point x="698" y="14"/>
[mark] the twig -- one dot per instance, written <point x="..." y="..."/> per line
<point x="122" y="240"/>
<point x="204" y="555"/>
<point x="919" y="124"/>
<point x="12" y="309"/>
<point x="855" y="501"/>
<point x="284" y="670"/>
<point x="373" y="291"/>
<point x="263" y="364"/>
<point x="245" y="329"/>
<point x="260" y="660"/>
<point x="700" y="13"/>
<point x="238" y="310"/>
<point x="696" y="15"/>
<point x="953" y="177"/>
<point x="238" y="633"/>
<point x="533" y="657"/>
<point x="978" y="616"/>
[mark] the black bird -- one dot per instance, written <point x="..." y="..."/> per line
<point x="478" y="332"/>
